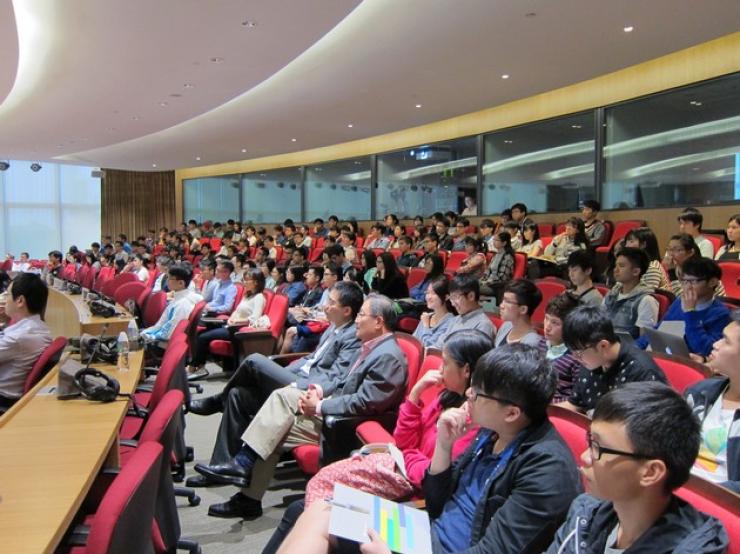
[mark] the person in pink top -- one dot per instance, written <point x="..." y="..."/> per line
<point x="374" y="469"/>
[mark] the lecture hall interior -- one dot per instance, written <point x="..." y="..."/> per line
<point x="213" y="181"/>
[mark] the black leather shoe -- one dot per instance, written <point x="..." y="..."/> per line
<point x="199" y="481"/>
<point x="237" y="506"/>
<point x="206" y="406"/>
<point x="229" y="473"/>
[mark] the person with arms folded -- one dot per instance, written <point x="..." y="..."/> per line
<point x="716" y="402"/>
<point x="641" y="446"/>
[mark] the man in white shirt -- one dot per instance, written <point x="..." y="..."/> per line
<point x="690" y="222"/>
<point x="22" y="264"/>
<point x="22" y="342"/>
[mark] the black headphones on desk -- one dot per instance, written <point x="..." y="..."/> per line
<point x="107" y="391"/>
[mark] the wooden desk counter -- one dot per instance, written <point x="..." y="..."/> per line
<point x="50" y="453"/>
<point x="67" y="315"/>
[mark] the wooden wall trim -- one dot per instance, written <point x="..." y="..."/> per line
<point x="708" y="60"/>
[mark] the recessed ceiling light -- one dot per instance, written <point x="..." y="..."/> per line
<point x="358" y="163"/>
<point x="508" y="141"/>
<point x="217" y="59"/>
<point x="350" y="125"/>
<point x="244" y="150"/>
<point x="175" y="95"/>
<point x="189" y="85"/>
<point x="154" y="165"/>
<point x="695" y="103"/>
<point x="163" y="104"/>
<point x="293" y="140"/>
<point x="576" y="126"/>
<point x="418" y="105"/>
<point x="628" y="29"/>
<point x="197" y="158"/>
<point x="249" y="23"/>
<point x="505" y="76"/>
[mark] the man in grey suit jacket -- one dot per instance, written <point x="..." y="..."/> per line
<point x="374" y="384"/>
<point x="258" y="376"/>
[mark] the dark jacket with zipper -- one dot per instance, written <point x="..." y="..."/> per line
<point x="523" y="506"/>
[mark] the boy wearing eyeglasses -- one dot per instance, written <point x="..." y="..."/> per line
<point x="641" y="446"/>
<point x="606" y="361"/>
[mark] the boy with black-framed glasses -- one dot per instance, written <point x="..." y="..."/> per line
<point x="641" y="446"/>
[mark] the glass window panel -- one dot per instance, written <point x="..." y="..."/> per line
<point x="427" y="179"/>
<point x="26" y="186"/>
<point x="77" y="186"/>
<point x="212" y="198"/>
<point x="272" y="196"/>
<point x="549" y="165"/>
<point x="338" y="188"/>
<point x="34" y="230"/>
<point x="676" y="148"/>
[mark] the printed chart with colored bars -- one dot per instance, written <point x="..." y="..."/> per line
<point x="402" y="528"/>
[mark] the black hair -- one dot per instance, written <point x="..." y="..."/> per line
<point x="394" y="218"/>
<point x="369" y="258"/>
<point x="335" y="250"/>
<point x="521" y="375"/>
<point x="465" y="222"/>
<point x="701" y="268"/>
<point x="530" y="226"/>
<point x="405" y="239"/>
<point x="637" y="258"/>
<point x="350" y="295"/>
<point x="318" y="271"/>
<point x="390" y="266"/>
<point x="692" y="215"/>
<point x="301" y="250"/>
<point x="335" y="269"/>
<point x="646" y="240"/>
<point x="259" y="280"/>
<point x="465" y="284"/>
<point x="209" y="263"/>
<point x="182" y="272"/>
<point x="581" y="237"/>
<point x="592" y="204"/>
<point x="586" y="326"/>
<point x="334" y="218"/>
<point x="33" y="289"/>
<point x="505" y="237"/>
<point x="355" y="276"/>
<point x="297" y="271"/>
<point x="561" y="305"/>
<point x="432" y="236"/>
<point x="95" y="245"/>
<point x="736" y="219"/>
<point x="466" y="347"/>
<point x="438" y="266"/>
<point x="487" y="223"/>
<point x="228" y="265"/>
<point x="518" y="206"/>
<point x="56" y="254"/>
<point x="441" y="287"/>
<point x="444" y="221"/>
<point x="318" y="220"/>
<point x="507" y="212"/>
<point x="687" y="243"/>
<point x="350" y="235"/>
<point x="474" y="242"/>
<point x="526" y="292"/>
<point x="659" y="424"/>
<point x="581" y="258"/>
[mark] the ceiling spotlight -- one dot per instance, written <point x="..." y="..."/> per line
<point x="163" y="104"/>
<point x="508" y="141"/>
<point x="576" y="126"/>
<point x="695" y="103"/>
<point x="505" y="76"/>
<point x="154" y="165"/>
<point x="35" y="167"/>
<point x="293" y="140"/>
<point x="418" y="105"/>
<point x="628" y="29"/>
<point x="350" y="125"/>
<point x="189" y="85"/>
<point x="4" y="166"/>
<point x="244" y="150"/>
<point x="217" y="59"/>
<point x="197" y="158"/>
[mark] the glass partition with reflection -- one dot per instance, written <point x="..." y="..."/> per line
<point x="549" y="165"/>
<point x="341" y="188"/>
<point x="426" y="179"/>
<point x="675" y="148"/>
<point x="212" y="198"/>
<point x="272" y="196"/>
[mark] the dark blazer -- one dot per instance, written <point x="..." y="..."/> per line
<point x="312" y="297"/>
<point x="334" y="362"/>
<point x="375" y="386"/>
<point x="395" y="287"/>
<point x="520" y="509"/>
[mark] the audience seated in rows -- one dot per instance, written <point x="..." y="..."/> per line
<point x="520" y="299"/>
<point x="580" y="269"/>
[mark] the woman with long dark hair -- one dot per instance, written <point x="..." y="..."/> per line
<point x="434" y="267"/>
<point x="644" y="239"/>
<point x="388" y="279"/>
<point x="731" y="249"/>
<point x="682" y="247"/>
<point x="434" y="324"/>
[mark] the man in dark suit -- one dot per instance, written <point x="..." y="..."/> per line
<point x="374" y="384"/>
<point x="258" y="376"/>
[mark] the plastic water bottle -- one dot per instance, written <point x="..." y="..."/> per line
<point x="123" y="350"/>
<point x="133" y="333"/>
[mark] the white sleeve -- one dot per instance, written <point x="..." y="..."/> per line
<point x="647" y="312"/>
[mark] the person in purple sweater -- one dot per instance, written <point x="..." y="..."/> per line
<point x="564" y="364"/>
<point x="705" y="316"/>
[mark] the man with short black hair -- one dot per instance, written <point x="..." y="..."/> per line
<point x="607" y="362"/>
<point x="431" y="246"/>
<point x="335" y="254"/>
<point x="444" y="239"/>
<point x="209" y="283"/>
<point x="374" y="384"/>
<point x="690" y="222"/>
<point x="465" y="297"/>
<point x="318" y="228"/>
<point x="595" y="229"/>
<point x="630" y="304"/>
<point x="580" y="267"/>
<point x="519" y="216"/>
<point x="521" y="298"/>
<point x="225" y="293"/>
<point x="486" y="233"/>
<point x="407" y="258"/>
<point x="641" y="446"/>
<point x="23" y="341"/>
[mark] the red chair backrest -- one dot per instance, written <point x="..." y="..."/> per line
<point x="215" y="244"/>
<point x="104" y="275"/>
<point x="269" y="295"/>
<point x="520" y="265"/>
<point x="496" y="320"/>
<point x="89" y="278"/>
<point x="603" y="289"/>
<point x="714" y="500"/>
<point x="359" y="242"/>
<point x="48" y="359"/>
<point x="731" y="278"/>
<point x="415" y="276"/>
<point x="572" y="427"/>
<point x="109" y="289"/>
<point x="413" y="351"/>
<point x="161" y="418"/>
<point x="172" y="361"/>
<point x="716" y="240"/>
<point x="239" y="296"/>
<point x="621" y="228"/>
<point x="128" y="291"/>
<point x="123" y="521"/>
<point x="608" y="231"/>
<point x="395" y="252"/>
<point x="143" y="297"/>
<point x="549" y="289"/>
<point x="432" y="360"/>
<point x="545" y="229"/>
<point x="407" y="324"/>
<point x="664" y="302"/>
<point x="153" y="274"/>
<point x="443" y="254"/>
<point x="455" y="260"/>
<point x="278" y="313"/>
<point x="82" y="273"/>
<point x="681" y="373"/>
<point x="154" y="308"/>
<point x="315" y="254"/>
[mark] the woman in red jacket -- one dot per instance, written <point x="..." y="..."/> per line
<point x="375" y="470"/>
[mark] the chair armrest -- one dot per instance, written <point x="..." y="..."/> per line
<point x="285" y="360"/>
<point x="372" y="431"/>
<point x="128" y="442"/>
<point x="338" y="434"/>
<point x="77" y="536"/>
<point x="137" y="411"/>
<point x="250" y="341"/>
<point x="145" y="387"/>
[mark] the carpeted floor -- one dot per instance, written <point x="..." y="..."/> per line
<point x="226" y="536"/>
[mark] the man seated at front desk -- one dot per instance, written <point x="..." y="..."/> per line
<point x="25" y="337"/>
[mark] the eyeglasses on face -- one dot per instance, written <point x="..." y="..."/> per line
<point x="597" y="450"/>
<point x="474" y="394"/>
<point x="690" y="281"/>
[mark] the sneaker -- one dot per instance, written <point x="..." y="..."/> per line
<point x="237" y="506"/>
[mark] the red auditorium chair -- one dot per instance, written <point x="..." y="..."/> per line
<point x="716" y="240"/>
<point x="315" y="255"/>
<point x="48" y="359"/>
<point x="415" y="276"/>
<point x="110" y="287"/>
<point x="123" y="520"/>
<point x="716" y="501"/>
<point x="545" y="229"/>
<point x="496" y="320"/>
<point x="573" y="427"/>
<point x="621" y="228"/>
<point x="249" y="340"/>
<point x="520" y="265"/>
<point x="337" y="432"/>
<point x="550" y="288"/>
<point x="664" y="302"/>
<point x="105" y="275"/>
<point x="153" y="308"/>
<point x="731" y="278"/>
<point x="681" y="372"/>
<point x="128" y="291"/>
<point x="395" y="252"/>
<point x="454" y="261"/>
<point x="89" y="278"/>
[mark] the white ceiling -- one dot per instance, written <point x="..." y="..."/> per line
<point x="82" y="80"/>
